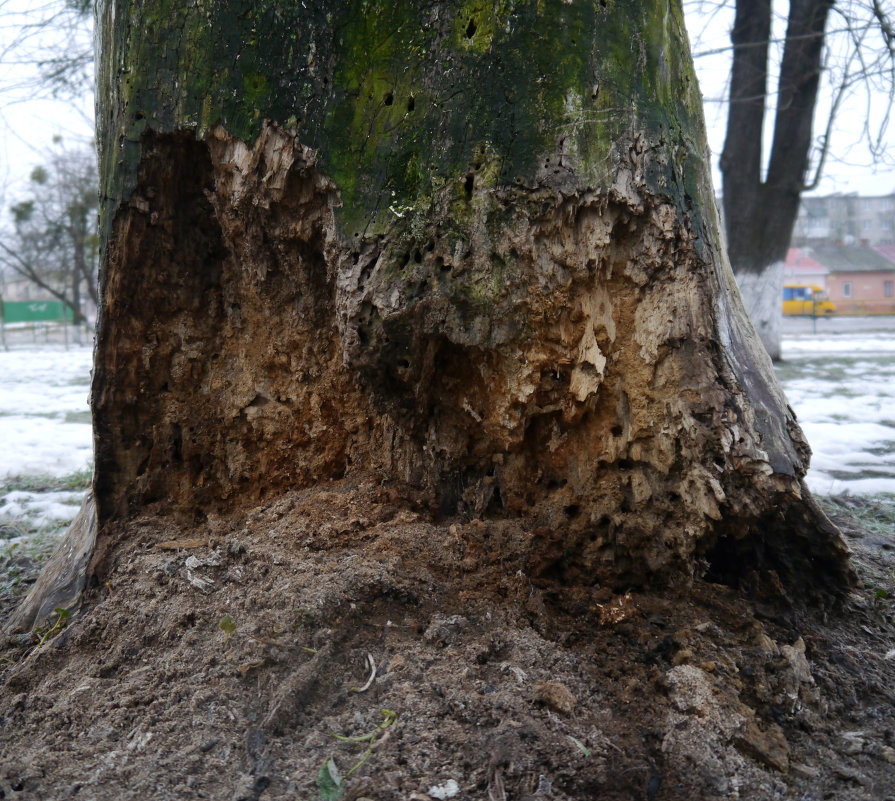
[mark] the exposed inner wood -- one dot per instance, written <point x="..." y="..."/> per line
<point x="572" y="361"/>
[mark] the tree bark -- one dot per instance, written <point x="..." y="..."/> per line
<point x="760" y="211"/>
<point x="468" y="248"/>
<point x="75" y="273"/>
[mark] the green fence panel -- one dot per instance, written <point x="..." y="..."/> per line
<point x="35" y="311"/>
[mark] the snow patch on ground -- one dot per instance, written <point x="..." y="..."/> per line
<point x="41" y="508"/>
<point x="842" y="388"/>
<point x="44" y="410"/>
<point x="799" y="345"/>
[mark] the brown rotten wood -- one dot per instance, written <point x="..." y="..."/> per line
<point x="441" y="258"/>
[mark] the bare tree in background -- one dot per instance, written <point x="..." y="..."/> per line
<point x="53" y="240"/>
<point x="838" y="49"/>
<point x="47" y="49"/>
<point x="48" y="225"/>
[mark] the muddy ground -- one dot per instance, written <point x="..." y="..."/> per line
<point x="232" y="660"/>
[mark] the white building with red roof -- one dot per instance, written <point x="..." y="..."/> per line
<point x="801" y="268"/>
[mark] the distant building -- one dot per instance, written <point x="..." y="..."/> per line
<point x="861" y="280"/>
<point x="849" y="219"/>
<point x="801" y="268"/>
<point x="14" y="287"/>
<point x="853" y="239"/>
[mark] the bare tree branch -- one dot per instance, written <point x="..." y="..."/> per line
<point x="52" y="242"/>
<point x="32" y="274"/>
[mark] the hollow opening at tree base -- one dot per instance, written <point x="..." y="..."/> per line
<point x="572" y="369"/>
<point x="783" y="557"/>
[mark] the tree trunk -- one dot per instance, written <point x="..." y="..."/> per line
<point x="77" y="231"/>
<point x="80" y="233"/>
<point x="469" y="249"/>
<point x="75" y="278"/>
<point x="760" y="211"/>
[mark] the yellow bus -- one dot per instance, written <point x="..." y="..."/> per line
<point x="806" y="299"/>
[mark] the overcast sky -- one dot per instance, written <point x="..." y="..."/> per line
<point x="32" y="123"/>
<point x="29" y="124"/>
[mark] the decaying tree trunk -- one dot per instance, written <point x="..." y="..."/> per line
<point x="469" y="248"/>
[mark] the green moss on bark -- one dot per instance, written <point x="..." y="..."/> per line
<point x="399" y="97"/>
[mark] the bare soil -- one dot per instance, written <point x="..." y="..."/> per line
<point x="499" y="674"/>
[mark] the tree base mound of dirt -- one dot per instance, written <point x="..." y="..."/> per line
<point x="340" y="643"/>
